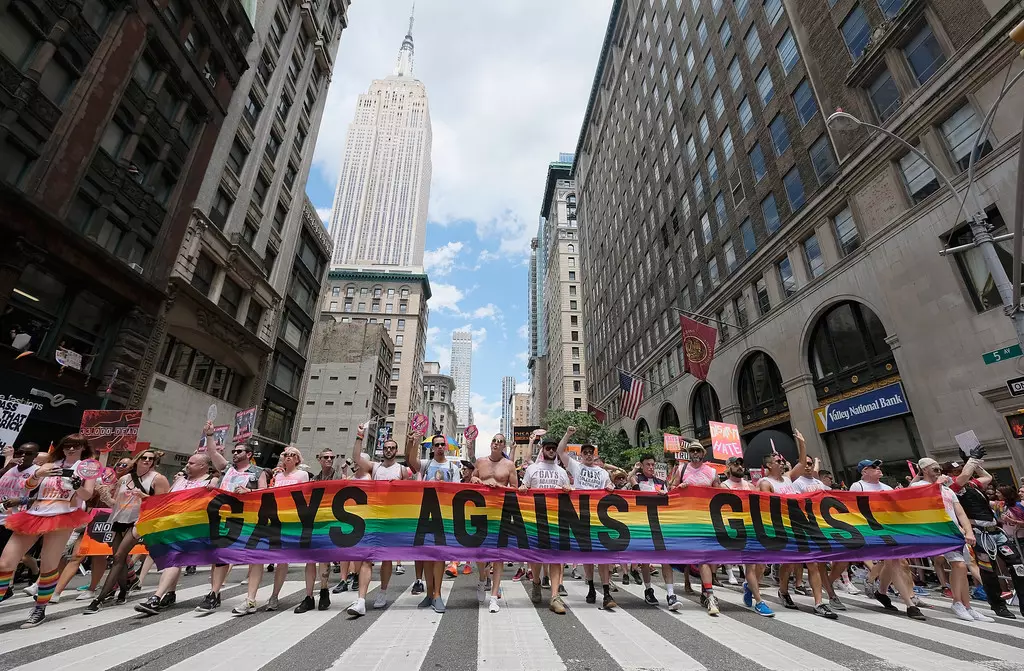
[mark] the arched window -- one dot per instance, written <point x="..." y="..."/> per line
<point x="848" y="349"/>
<point x="667" y="417"/>
<point x="704" y="408"/>
<point x="571" y="248"/>
<point x="760" y="388"/>
<point x="570" y="200"/>
<point x="643" y="433"/>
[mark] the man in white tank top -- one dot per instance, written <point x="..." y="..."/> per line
<point x="735" y="469"/>
<point x="387" y="469"/>
<point x="697" y="472"/>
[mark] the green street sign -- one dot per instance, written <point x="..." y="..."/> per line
<point x="995" y="356"/>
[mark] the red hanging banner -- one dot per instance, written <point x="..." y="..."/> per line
<point x="698" y="346"/>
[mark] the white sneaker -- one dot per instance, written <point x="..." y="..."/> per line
<point x="381" y="600"/>
<point x="32" y="590"/>
<point x="851" y="588"/>
<point x="247" y="607"/>
<point x="492" y="605"/>
<point x="357" y="608"/>
<point x="961" y="611"/>
<point x="87" y="595"/>
<point x="732" y="576"/>
<point x="481" y="593"/>
<point x="55" y="598"/>
<point x="978" y="616"/>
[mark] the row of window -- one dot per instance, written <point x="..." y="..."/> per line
<point x="378" y="292"/>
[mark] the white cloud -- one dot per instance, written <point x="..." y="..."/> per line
<point x="489" y="311"/>
<point x="325" y="214"/>
<point x="440" y="261"/>
<point x="523" y="331"/>
<point x="479" y="335"/>
<point x="445" y="297"/>
<point x="522" y="387"/>
<point x="486" y="416"/>
<point x="495" y="128"/>
<point x="522" y="357"/>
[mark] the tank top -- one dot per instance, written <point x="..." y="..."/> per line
<point x="182" y="484"/>
<point x="740" y="484"/>
<point x="128" y="498"/>
<point x="56" y="493"/>
<point x="783" y="486"/>
<point x="393" y="472"/>
<point x="296" y="477"/>
<point x="367" y="476"/>
<point x="704" y="476"/>
<point x="248" y="478"/>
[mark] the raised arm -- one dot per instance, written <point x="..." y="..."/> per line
<point x="800" y="467"/>
<point x="563" y="446"/>
<point x="412" y="452"/>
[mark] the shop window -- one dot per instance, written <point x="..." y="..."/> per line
<point x="760" y="388"/>
<point x="704" y="408"/>
<point x="848" y="349"/>
<point x="32" y="310"/>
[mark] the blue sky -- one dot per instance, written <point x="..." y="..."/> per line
<point x="508" y="84"/>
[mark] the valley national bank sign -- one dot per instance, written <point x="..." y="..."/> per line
<point x="871" y="406"/>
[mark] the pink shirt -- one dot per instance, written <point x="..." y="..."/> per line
<point x="296" y="477"/>
<point x="702" y="476"/>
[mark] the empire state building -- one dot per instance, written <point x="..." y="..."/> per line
<point x="379" y="215"/>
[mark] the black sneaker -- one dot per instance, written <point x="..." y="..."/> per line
<point x="625" y="578"/>
<point x="325" y="599"/>
<point x="168" y="600"/>
<point x="335" y="567"/>
<point x="150" y="606"/>
<point x="545" y="583"/>
<point x="821" y="610"/>
<point x="354" y="579"/>
<point x="35" y="618"/>
<point x="915" y="613"/>
<point x="635" y="574"/>
<point x="341" y="587"/>
<point x="210" y="603"/>
<point x="649" y="596"/>
<point x="608" y="602"/>
<point x="592" y="595"/>
<point x="885" y="601"/>
<point x="122" y="599"/>
<point x="190" y="570"/>
<point x="306" y="604"/>
<point x="417" y="587"/>
<point x="270" y="568"/>
<point x="107" y="600"/>
<point x="1004" y="612"/>
<point x="92" y="608"/>
<point x="787" y="600"/>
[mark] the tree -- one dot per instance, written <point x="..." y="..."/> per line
<point x="610" y="444"/>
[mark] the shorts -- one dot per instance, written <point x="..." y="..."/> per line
<point x="121" y="527"/>
<point x="955" y="555"/>
<point x="221" y="565"/>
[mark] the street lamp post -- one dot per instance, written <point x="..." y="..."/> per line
<point x="841" y="120"/>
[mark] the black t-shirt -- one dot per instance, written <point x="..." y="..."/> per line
<point x="975" y="504"/>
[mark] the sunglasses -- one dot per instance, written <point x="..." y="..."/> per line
<point x="329" y="458"/>
<point x="238" y="451"/>
<point x="499" y="442"/>
<point x="146" y="458"/>
<point x="291" y="454"/>
<point x="438" y="444"/>
<point x="72" y="448"/>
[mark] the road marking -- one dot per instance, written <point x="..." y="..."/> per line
<point x="399" y="639"/>
<point x="20" y="612"/>
<point x="515" y="636"/>
<point x="633" y="645"/>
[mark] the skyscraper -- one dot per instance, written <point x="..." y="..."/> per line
<point x="462" y="373"/>
<point x="380" y="204"/>
<point x="508" y="391"/>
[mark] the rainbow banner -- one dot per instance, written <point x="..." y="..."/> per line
<point x="364" y="520"/>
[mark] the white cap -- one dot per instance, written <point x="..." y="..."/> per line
<point x="926" y="463"/>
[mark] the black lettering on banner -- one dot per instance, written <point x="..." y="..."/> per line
<point x="512" y="523"/>
<point x="268" y="524"/>
<point x="307" y="513"/>
<point x="805" y="526"/>
<point x="780" y="538"/>
<point x="621" y="542"/>
<point x="463" y="537"/>
<point x="340" y="538"/>
<point x="232" y="525"/>
<point x="652" y="503"/>
<point x="430" y="521"/>
<point x="855" y="540"/>
<point x="577" y="523"/>
<point x="725" y="539"/>
<point x="864" y="506"/>
<point x="540" y="504"/>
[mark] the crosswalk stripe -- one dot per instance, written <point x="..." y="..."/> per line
<point x="894" y="651"/>
<point x="125" y="647"/>
<point x="515" y="636"/>
<point x="255" y="647"/>
<point x="756" y="645"/>
<point x="19" y="613"/>
<point x="380" y="648"/>
<point x="632" y="644"/>
<point x="73" y="624"/>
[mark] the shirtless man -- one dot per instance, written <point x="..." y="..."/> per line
<point x="494" y="470"/>
<point x="735" y="469"/>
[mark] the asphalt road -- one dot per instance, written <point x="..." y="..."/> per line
<point x="636" y="636"/>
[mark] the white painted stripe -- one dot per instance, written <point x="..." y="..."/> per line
<point x="891" y="651"/>
<point x="746" y="641"/>
<point x="633" y="645"/>
<point x="143" y="640"/>
<point x="257" y="646"/>
<point x="67" y="602"/>
<point x="76" y="623"/>
<point x="398" y="639"/>
<point x="514" y="637"/>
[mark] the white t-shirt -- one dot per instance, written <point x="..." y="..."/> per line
<point x="861" y="486"/>
<point x="545" y="475"/>
<point x="588" y="477"/>
<point x="805" y="484"/>
<point x="948" y="500"/>
<point x="395" y="471"/>
<point x="56" y="492"/>
<point x="12" y="486"/>
<point x="183" y="483"/>
<point x="783" y="486"/>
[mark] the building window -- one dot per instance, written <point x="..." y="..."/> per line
<point x="230" y="297"/>
<point x="856" y="32"/>
<point x="890" y="7"/>
<point x="848" y="342"/>
<point x="725" y="34"/>
<point x="765" y="86"/>
<point x="712" y="166"/>
<point x="728" y="149"/>
<point x="252" y="110"/>
<point x="702" y="32"/>
<point x="770" y="211"/>
<point x="773" y="10"/>
<point x="757" y="162"/>
<point x="575" y="352"/>
<point x="260" y="189"/>
<point x="720" y="210"/>
<point x="705" y="228"/>
<point x="973" y="268"/>
<point x="730" y="256"/>
<point x="786" y="275"/>
<point x="401" y="325"/>
<point x="202" y="276"/>
<point x="788" y="55"/>
<point x="735" y="74"/>
<point x="713" y="272"/>
<point x="919" y="177"/>
<point x="924" y="54"/>
<point x="691" y="245"/>
<point x="237" y="156"/>
<point x="709" y="66"/>
<point x="747" y="233"/>
<point x="780" y="134"/>
<point x="960" y="131"/>
<point x="253" y="316"/>
<point x="572" y="274"/>
<point x="741" y="7"/>
<point x="746" y="116"/>
<point x="573" y="305"/>
<point x="823" y="160"/>
<point x="752" y="44"/>
<point x="803" y="101"/>
<point x="760" y="388"/>
<point x="884" y="95"/>
<point x="718" y="104"/>
<point x="846" y="231"/>
<point x="794" y="189"/>
<point x="704" y="409"/>
<point x="57" y="80"/>
<point x="348" y="306"/>
<point x="764" y="304"/>
<point x="739" y="308"/>
<point x="812" y="253"/>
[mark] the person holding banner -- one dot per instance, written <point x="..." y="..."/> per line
<point x="494" y="470"/>
<point x="698" y="473"/>
<point x="735" y="469"/>
<point x="434" y="469"/>
<point x="64" y="484"/>
<point x="805" y="484"/>
<point x="547" y="474"/>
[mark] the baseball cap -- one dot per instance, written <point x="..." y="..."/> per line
<point x="864" y="463"/>
<point x="927" y="462"/>
<point x="734" y="460"/>
<point x="587" y="447"/>
<point x="548" y="441"/>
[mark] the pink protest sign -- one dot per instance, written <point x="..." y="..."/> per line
<point x="419" y="423"/>
<point x="725" y="441"/>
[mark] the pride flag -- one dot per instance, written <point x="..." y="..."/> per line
<point x="343" y="520"/>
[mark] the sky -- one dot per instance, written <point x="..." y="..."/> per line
<point x="508" y="84"/>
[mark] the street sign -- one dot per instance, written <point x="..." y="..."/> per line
<point x="995" y="356"/>
<point x="1016" y="386"/>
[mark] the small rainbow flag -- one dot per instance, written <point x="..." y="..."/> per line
<point x="344" y="520"/>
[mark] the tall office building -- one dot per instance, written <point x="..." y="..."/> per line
<point x="246" y="282"/>
<point x="508" y="392"/>
<point x="537" y="362"/>
<point x="379" y="214"/>
<point x="462" y="373"/>
<point x="710" y="182"/>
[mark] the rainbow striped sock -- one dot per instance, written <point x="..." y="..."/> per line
<point x="6" y="578"/>
<point x="47" y="584"/>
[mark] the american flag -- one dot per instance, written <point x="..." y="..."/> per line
<point x="632" y="395"/>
